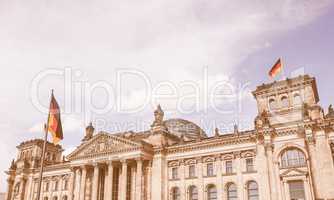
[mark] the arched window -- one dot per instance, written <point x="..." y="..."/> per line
<point x="55" y="198"/>
<point x="212" y="192"/>
<point x="176" y="193"/>
<point x="46" y="198"/>
<point x="193" y="193"/>
<point x="252" y="190"/>
<point x="65" y="197"/>
<point x="293" y="158"/>
<point x="272" y="104"/>
<point x="285" y="101"/>
<point x="232" y="192"/>
<point x="297" y="100"/>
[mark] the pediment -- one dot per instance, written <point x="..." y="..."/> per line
<point x="104" y="143"/>
<point x="294" y="172"/>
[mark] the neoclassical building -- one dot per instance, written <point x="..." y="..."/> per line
<point x="288" y="155"/>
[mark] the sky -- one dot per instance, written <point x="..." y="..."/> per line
<point x="112" y="62"/>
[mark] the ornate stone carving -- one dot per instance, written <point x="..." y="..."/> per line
<point x="101" y="145"/>
<point x="262" y="120"/>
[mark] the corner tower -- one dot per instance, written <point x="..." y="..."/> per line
<point x="288" y="101"/>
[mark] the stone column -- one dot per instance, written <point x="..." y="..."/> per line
<point x="139" y="180"/>
<point x="272" y="175"/>
<point x="109" y="185"/>
<point x="148" y="190"/>
<point x="71" y="185"/>
<point x="219" y="172"/>
<point x="83" y="183"/>
<point x="307" y="190"/>
<point x="239" y="168"/>
<point x="199" y="170"/>
<point x="123" y="180"/>
<point x="95" y="185"/>
<point x="263" y="172"/>
<point x="182" y="176"/>
<point x="286" y="190"/>
<point x="22" y="187"/>
<point x="10" y="185"/>
<point x="76" y="195"/>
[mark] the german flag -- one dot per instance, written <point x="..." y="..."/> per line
<point x="276" y="69"/>
<point x="54" y="122"/>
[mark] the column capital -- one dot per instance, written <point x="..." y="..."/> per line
<point x="124" y="161"/>
<point x="83" y="167"/>
<point x="109" y="162"/>
<point x="96" y="165"/>
<point x="139" y="159"/>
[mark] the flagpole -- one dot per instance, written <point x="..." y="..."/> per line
<point x="42" y="163"/>
<point x="43" y="156"/>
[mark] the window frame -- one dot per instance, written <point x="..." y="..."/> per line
<point x="210" y="170"/>
<point x="272" y="103"/>
<point x="193" y="191"/>
<point x="285" y="101"/>
<point x="250" y="166"/>
<point x="299" y="190"/>
<point x="229" y="167"/>
<point x="176" y="193"/>
<point x="213" y="192"/>
<point x="300" y="100"/>
<point x="229" y="192"/>
<point x="293" y="157"/>
<point x="192" y="171"/>
<point x="174" y="173"/>
<point x="252" y="193"/>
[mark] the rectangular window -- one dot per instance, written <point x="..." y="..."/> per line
<point x="249" y="165"/>
<point x="174" y="173"/>
<point x="192" y="172"/>
<point x="229" y="167"/>
<point x="296" y="189"/>
<point x="209" y="169"/>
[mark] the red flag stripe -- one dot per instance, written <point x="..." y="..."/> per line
<point x="277" y="68"/>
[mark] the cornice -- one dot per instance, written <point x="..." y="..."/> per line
<point x="210" y="143"/>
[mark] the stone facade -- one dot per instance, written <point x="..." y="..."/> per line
<point x="288" y="155"/>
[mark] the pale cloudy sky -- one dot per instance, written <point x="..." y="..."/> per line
<point x="182" y="43"/>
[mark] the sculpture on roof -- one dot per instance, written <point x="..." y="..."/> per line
<point x="216" y="132"/>
<point x="330" y="111"/>
<point x="158" y="116"/>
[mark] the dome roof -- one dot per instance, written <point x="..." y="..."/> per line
<point x="190" y="130"/>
